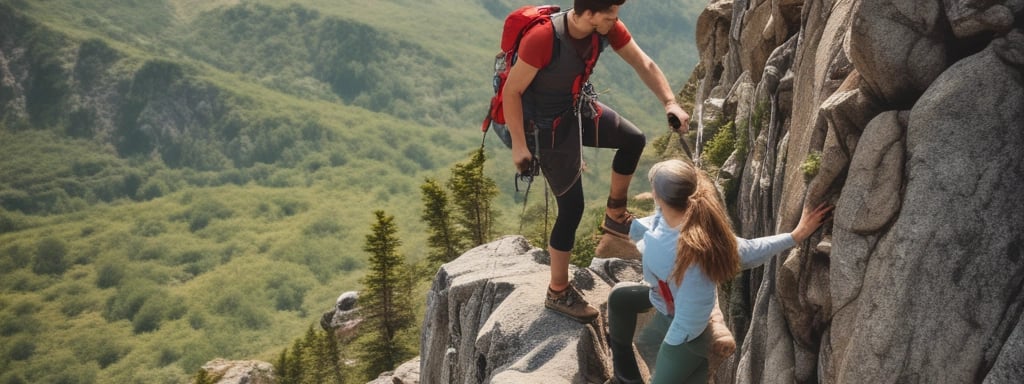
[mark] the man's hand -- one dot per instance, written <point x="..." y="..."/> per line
<point x="673" y="109"/>
<point x="522" y="158"/>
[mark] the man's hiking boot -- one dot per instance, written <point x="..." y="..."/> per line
<point x="570" y="303"/>
<point x="619" y="227"/>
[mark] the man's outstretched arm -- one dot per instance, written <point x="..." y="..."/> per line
<point x="655" y="80"/>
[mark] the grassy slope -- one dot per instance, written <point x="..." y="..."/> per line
<point x="275" y="241"/>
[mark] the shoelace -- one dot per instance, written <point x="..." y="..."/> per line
<point x="570" y="297"/>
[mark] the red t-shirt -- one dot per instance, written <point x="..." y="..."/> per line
<point x="535" y="48"/>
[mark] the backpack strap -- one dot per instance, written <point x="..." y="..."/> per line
<point x="597" y="45"/>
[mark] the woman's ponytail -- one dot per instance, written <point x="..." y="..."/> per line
<point x="706" y="237"/>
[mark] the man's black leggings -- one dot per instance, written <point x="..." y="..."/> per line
<point x="610" y="131"/>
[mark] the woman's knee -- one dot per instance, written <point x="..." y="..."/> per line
<point x="631" y="293"/>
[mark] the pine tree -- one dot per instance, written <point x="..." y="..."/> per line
<point x="295" y="368"/>
<point x="444" y="244"/>
<point x="281" y="367"/>
<point x="387" y="304"/>
<point x="310" y="373"/>
<point x="330" y="359"/>
<point x="314" y="358"/>
<point x="473" y="193"/>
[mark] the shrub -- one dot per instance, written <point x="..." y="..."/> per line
<point x="196" y="320"/>
<point x="46" y="96"/>
<point x="811" y="165"/>
<point x="204" y="211"/>
<point x="151" y="189"/>
<point x="16" y="200"/>
<point x="350" y="263"/>
<point x="197" y="262"/>
<point x="88" y="166"/>
<point x="130" y="297"/>
<point x="149" y="316"/>
<point x="70" y="373"/>
<point x="149" y="228"/>
<point x="175" y="307"/>
<point x="290" y="207"/>
<point x="151" y="251"/>
<point x="288" y="293"/>
<point x="315" y="161"/>
<point x="98" y="347"/>
<point x="12" y="378"/>
<point x="109" y="353"/>
<point x="107" y="188"/>
<point x="17" y="256"/>
<point x="24" y="281"/>
<point x="231" y="176"/>
<point x="49" y="258"/>
<point x="133" y="179"/>
<point x="717" y="150"/>
<point x="203" y="377"/>
<point x="11" y="221"/>
<point x="109" y="274"/>
<point x="325" y="226"/>
<point x="155" y="78"/>
<point x="419" y="154"/>
<point x="338" y="159"/>
<point x="236" y="305"/>
<point x="94" y="56"/>
<point x="21" y="349"/>
<point x="13" y="325"/>
<point x="76" y="305"/>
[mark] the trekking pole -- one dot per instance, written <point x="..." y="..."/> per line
<point x="676" y="124"/>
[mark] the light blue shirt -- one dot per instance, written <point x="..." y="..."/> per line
<point x="695" y="296"/>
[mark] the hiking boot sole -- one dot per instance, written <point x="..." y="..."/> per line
<point x="614" y="228"/>
<point x="583" y="320"/>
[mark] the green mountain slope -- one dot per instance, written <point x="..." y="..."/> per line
<point x="182" y="180"/>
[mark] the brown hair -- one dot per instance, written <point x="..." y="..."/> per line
<point x="595" y="6"/>
<point x="706" y="237"/>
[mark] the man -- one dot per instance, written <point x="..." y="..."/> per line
<point x="543" y="101"/>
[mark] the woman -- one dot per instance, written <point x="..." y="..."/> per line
<point x="688" y="249"/>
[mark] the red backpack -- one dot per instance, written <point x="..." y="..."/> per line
<point x="516" y="24"/>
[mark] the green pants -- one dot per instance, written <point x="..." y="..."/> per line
<point x="669" y="364"/>
<point x="683" y="363"/>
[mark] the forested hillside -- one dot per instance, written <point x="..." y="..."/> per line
<point x="182" y="180"/>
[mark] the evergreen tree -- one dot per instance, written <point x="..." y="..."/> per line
<point x="314" y="359"/>
<point x="473" y="193"/>
<point x="330" y="359"/>
<point x="281" y="367"/>
<point x="309" y="358"/>
<point x="444" y="244"/>
<point x="387" y="302"/>
<point x="295" y="368"/>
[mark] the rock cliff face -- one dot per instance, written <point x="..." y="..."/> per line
<point x="486" y="321"/>
<point x="917" y="111"/>
<point x="909" y="116"/>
